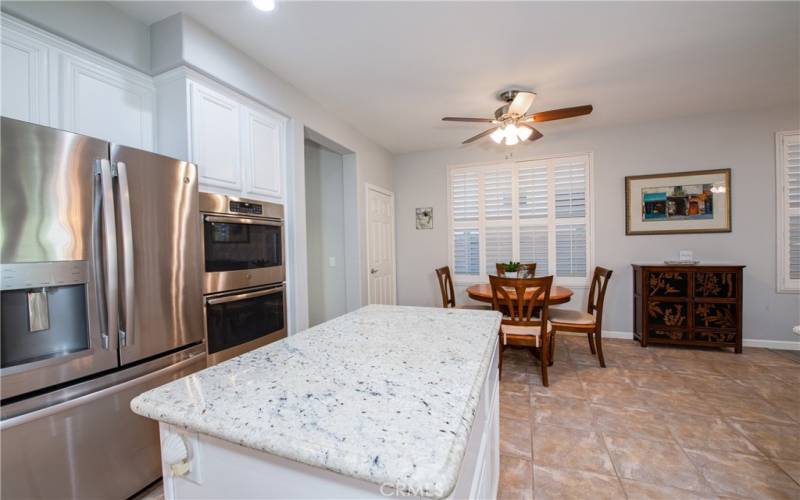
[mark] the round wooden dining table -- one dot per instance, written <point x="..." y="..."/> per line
<point x="482" y="292"/>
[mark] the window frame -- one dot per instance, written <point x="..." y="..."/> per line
<point x="784" y="283"/>
<point x="516" y="225"/>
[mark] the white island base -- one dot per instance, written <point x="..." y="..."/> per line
<point x="223" y="470"/>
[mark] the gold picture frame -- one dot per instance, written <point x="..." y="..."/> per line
<point x="696" y="201"/>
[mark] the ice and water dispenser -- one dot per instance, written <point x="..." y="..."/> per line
<point x="43" y="310"/>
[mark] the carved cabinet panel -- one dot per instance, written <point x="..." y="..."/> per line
<point x="688" y="305"/>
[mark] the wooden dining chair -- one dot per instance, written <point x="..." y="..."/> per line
<point x="447" y="290"/>
<point x="530" y="269"/>
<point x="519" y="325"/>
<point x="589" y="322"/>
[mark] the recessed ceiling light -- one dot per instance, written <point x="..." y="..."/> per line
<point x="265" y="5"/>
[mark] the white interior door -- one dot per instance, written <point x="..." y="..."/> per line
<point x="380" y="245"/>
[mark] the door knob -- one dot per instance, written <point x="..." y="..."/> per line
<point x="373" y="271"/>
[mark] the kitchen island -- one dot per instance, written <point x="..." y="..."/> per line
<point x="383" y="401"/>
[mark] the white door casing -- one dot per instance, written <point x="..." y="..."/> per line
<point x="380" y="246"/>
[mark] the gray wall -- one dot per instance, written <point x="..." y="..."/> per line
<point x="95" y="25"/>
<point x="744" y="142"/>
<point x="327" y="291"/>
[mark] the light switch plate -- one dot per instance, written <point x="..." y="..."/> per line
<point x="331" y="261"/>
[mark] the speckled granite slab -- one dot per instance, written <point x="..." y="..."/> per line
<point x="386" y="394"/>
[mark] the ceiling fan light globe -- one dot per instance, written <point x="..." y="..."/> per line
<point x="524" y="132"/>
<point x="510" y="131"/>
<point x="511" y="140"/>
<point x="498" y="135"/>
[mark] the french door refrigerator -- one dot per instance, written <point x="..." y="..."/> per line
<point x="101" y="284"/>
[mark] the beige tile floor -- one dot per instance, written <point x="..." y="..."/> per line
<point x="658" y="422"/>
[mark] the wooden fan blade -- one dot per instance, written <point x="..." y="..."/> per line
<point x="482" y="134"/>
<point x="560" y="114"/>
<point x="535" y="135"/>
<point x="473" y="120"/>
<point x="521" y="103"/>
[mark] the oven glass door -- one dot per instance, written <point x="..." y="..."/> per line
<point x="239" y="244"/>
<point x="235" y="319"/>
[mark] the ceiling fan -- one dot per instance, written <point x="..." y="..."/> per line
<point x="511" y="122"/>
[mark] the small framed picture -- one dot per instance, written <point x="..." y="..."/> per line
<point x="425" y="218"/>
<point x="681" y="202"/>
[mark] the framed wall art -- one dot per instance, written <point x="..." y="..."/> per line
<point x="425" y="218"/>
<point x="681" y="202"/>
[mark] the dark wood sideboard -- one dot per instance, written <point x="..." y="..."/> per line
<point x="688" y="305"/>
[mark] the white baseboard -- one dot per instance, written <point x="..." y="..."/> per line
<point x="785" y="345"/>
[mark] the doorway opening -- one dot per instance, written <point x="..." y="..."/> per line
<point x="330" y="226"/>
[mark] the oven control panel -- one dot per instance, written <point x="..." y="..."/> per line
<point x="241" y="207"/>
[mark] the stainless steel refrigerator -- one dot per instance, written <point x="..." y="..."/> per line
<point x="101" y="300"/>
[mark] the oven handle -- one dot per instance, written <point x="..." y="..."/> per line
<point x="241" y="220"/>
<point x="243" y="296"/>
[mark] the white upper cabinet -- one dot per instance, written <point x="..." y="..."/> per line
<point x="238" y="145"/>
<point x="262" y="137"/>
<point x="24" y="76"/>
<point x="214" y="135"/>
<point x="50" y="81"/>
<point x="106" y="101"/>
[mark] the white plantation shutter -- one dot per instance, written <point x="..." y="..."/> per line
<point x="464" y="196"/>
<point x="466" y="252"/>
<point x="571" y="250"/>
<point x="570" y="188"/>
<point x="465" y="208"/>
<point x="498" y="247"/>
<point x="533" y="248"/>
<point x="788" y="178"/>
<point x="532" y="182"/>
<point x="529" y="211"/>
<point x="497" y="186"/>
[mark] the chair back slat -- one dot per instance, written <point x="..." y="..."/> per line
<point x="445" y="280"/>
<point x="529" y="295"/>
<point x="597" y="293"/>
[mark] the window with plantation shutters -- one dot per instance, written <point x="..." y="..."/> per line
<point x="788" y="190"/>
<point x="526" y="211"/>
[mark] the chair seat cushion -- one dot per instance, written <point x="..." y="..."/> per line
<point x="570" y="316"/>
<point x="528" y="331"/>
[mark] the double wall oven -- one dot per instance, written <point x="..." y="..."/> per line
<point x="244" y="281"/>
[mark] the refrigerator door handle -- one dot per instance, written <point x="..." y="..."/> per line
<point x="110" y="250"/>
<point x="126" y="329"/>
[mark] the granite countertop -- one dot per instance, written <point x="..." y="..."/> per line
<point x="386" y="394"/>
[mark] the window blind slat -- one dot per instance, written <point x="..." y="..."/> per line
<point x="465" y="194"/>
<point x="532" y="185"/>
<point x="533" y="247"/>
<point x="794" y="247"/>
<point x="497" y="194"/>
<point x="571" y="250"/>
<point x="498" y="247"/>
<point x="466" y="252"/>
<point x="570" y="189"/>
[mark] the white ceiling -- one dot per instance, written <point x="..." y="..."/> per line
<point x="394" y="69"/>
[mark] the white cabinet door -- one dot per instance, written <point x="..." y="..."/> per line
<point x="215" y="139"/>
<point x="24" y="77"/>
<point x="262" y="153"/>
<point x="106" y="101"/>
